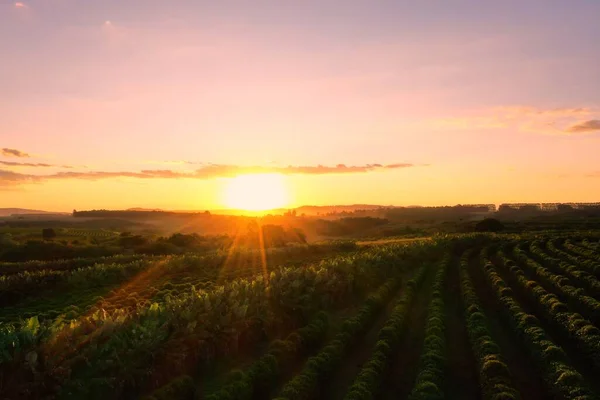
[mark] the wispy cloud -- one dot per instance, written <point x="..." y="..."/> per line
<point x="14" y="153"/>
<point x="9" y="178"/>
<point x="19" y="4"/>
<point x="209" y="171"/>
<point x="524" y="118"/>
<point x="592" y="125"/>
<point x="44" y="165"/>
<point x="174" y="162"/>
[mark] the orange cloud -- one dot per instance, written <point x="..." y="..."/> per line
<point x="523" y="118"/>
<point x="18" y="4"/>
<point x="9" y="178"/>
<point x="206" y="172"/>
<point x="18" y="164"/>
<point x="13" y="153"/>
<point x="592" y="125"/>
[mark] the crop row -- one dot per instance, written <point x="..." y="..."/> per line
<point x="560" y="284"/>
<point x="368" y="381"/>
<point x="432" y="362"/>
<point x="88" y="232"/>
<point x="9" y="268"/>
<point x="112" y="353"/>
<point x="590" y="244"/>
<point x="494" y="376"/>
<point x="570" y="268"/>
<point x="153" y="271"/>
<point x="257" y="381"/>
<point x="561" y="378"/>
<point x="214" y="264"/>
<point x="588" y="255"/>
<point x="319" y="367"/>
<point x="590" y="267"/>
<point x="28" y="284"/>
<point x="572" y="325"/>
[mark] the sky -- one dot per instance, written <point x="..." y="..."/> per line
<point x="144" y="103"/>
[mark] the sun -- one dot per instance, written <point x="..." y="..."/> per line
<point x="256" y="192"/>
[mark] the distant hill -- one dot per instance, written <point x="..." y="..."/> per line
<point x="310" y="210"/>
<point x="313" y="210"/>
<point x="7" y="212"/>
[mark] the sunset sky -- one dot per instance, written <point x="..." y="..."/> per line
<point x="143" y="103"/>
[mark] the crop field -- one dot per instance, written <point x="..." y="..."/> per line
<point x="28" y="233"/>
<point x="96" y="233"/>
<point x="453" y="317"/>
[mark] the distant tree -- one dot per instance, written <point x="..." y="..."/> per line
<point x="299" y="235"/>
<point x="183" y="240"/>
<point x="273" y="235"/>
<point x="6" y="240"/>
<point x="489" y="225"/>
<point x="564" y="207"/>
<point x="48" y="234"/>
<point x="290" y="213"/>
<point x="131" y="241"/>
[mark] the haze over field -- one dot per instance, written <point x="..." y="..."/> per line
<point x="256" y="105"/>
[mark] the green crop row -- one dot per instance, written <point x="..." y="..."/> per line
<point x="319" y="367"/>
<point x="589" y="244"/>
<point x="588" y="255"/>
<point x="181" y="388"/>
<point x="572" y="325"/>
<point x="368" y="380"/>
<point x="576" y="297"/>
<point x="9" y="268"/>
<point x="432" y="363"/>
<point x="258" y="380"/>
<point x="570" y="268"/>
<point x="561" y="378"/>
<point x="109" y="353"/>
<point x="494" y="376"/>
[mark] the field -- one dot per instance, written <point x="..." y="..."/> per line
<point x="455" y="317"/>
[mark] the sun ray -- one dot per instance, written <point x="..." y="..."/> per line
<point x="263" y="253"/>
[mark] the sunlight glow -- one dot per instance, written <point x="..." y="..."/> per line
<point x="256" y="192"/>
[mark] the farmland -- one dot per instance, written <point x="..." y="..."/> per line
<point x="478" y="316"/>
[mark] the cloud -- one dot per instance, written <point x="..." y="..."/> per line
<point x="522" y="118"/>
<point x="174" y="162"/>
<point x="216" y="170"/>
<point x="591" y="125"/>
<point x="19" y="4"/>
<point x="8" y="178"/>
<point x="14" y="153"/>
<point x="18" y="164"/>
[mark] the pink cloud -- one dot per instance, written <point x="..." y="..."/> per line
<point x="206" y="172"/>
<point x="18" y="164"/>
<point x="522" y="118"/>
<point x="592" y="125"/>
<point x="13" y="153"/>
